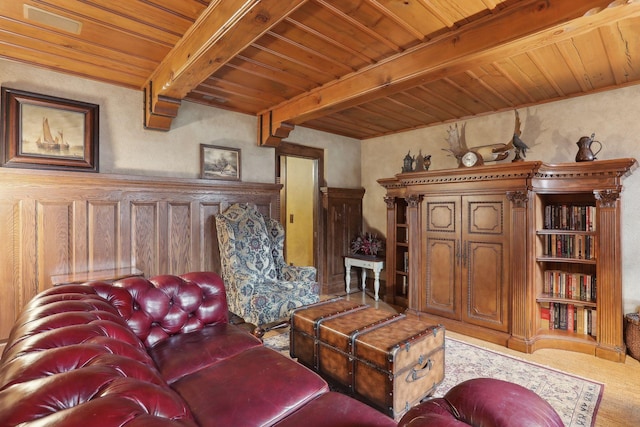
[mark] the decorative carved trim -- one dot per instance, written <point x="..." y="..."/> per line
<point x="390" y="201"/>
<point x="413" y="200"/>
<point x="518" y="198"/>
<point x="607" y="198"/>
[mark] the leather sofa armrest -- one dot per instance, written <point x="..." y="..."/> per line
<point x="484" y="402"/>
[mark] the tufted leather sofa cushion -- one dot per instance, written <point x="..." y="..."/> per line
<point x="163" y="306"/>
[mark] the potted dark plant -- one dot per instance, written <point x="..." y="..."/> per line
<point x="366" y="244"/>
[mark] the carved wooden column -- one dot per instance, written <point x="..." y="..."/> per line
<point x="414" y="223"/>
<point x="522" y="293"/>
<point x="610" y="323"/>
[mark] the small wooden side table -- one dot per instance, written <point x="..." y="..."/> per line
<point x="363" y="262"/>
<point x="108" y="275"/>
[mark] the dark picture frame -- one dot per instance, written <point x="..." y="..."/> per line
<point x="219" y="163"/>
<point x="46" y="132"/>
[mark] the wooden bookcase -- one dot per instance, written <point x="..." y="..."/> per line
<point x="479" y="241"/>
<point x="577" y="271"/>
<point x="397" y="245"/>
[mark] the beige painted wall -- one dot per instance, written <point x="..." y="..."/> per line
<point x="551" y="130"/>
<point x="127" y="148"/>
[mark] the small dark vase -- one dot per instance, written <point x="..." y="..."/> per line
<point x="584" y="149"/>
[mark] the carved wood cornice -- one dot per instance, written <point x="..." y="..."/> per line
<point x="519" y="170"/>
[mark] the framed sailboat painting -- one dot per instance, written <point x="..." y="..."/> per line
<point x="46" y="132"/>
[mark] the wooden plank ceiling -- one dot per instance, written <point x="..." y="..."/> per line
<point x="358" y="68"/>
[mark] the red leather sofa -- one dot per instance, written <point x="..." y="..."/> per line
<point x="161" y="352"/>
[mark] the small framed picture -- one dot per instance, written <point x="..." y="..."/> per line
<point x="219" y="162"/>
<point x="45" y="132"/>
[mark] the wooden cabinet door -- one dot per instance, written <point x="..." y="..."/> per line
<point x="466" y="259"/>
<point x="440" y="293"/>
<point x="485" y="261"/>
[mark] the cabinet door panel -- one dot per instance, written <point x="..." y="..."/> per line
<point x="485" y="266"/>
<point x="441" y="262"/>
<point x="441" y="292"/>
<point x="484" y="286"/>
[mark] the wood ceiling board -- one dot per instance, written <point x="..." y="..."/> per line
<point x="229" y="101"/>
<point x="329" y="49"/>
<point x="370" y="115"/>
<point x="623" y="50"/>
<point x="591" y="51"/>
<point x="240" y="89"/>
<point x="187" y="8"/>
<point x="44" y="55"/>
<point x="327" y="38"/>
<point x="99" y="25"/>
<point x="342" y="127"/>
<point x="390" y="110"/>
<point x="414" y="107"/>
<point x="564" y="83"/>
<point x="274" y="61"/>
<point x="477" y="90"/>
<point x="72" y="47"/>
<point x="126" y="14"/>
<point x="299" y="54"/>
<point x="440" y="106"/>
<point x="374" y="16"/>
<point x="332" y="21"/>
<point x="419" y="16"/>
<point x="246" y="65"/>
<point x="499" y="84"/>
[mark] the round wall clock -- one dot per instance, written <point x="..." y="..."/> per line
<point x="470" y="159"/>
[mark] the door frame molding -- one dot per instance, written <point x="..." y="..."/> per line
<point x="289" y="149"/>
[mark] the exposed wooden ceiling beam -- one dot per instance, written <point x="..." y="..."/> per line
<point x="221" y="32"/>
<point x="520" y="27"/>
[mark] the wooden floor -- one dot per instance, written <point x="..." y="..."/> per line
<point x="620" y="405"/>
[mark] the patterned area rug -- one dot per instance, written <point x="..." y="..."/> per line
<point x="576" y="399"/>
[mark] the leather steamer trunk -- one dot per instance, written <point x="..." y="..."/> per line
<point x="389" y="360"/>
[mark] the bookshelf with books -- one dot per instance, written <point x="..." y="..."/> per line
<point x="397" y="254"/>
<point x="577" y="272"/>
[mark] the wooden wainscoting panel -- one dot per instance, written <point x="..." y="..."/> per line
<point x="54" y="239"/>
<point x="209" y="253"/>
<point x="180" y="238"/>
<point x="70" y="223"/>
<point x="9" y="216"/>
<point x="144" y="237"/>
<point x="103" y="235"/>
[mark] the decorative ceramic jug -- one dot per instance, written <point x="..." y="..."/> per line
<point x="584" y="149"/>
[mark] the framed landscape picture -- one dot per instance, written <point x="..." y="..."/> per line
<point x="219" y="162"/>
<point x="45" y="132"/>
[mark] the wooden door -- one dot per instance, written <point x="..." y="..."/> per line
<point x="343" y="213"/>
<point x="441" y="253"/>
<point x="485" y="261"/>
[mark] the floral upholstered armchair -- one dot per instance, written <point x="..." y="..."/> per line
<point x="261" y="287"/>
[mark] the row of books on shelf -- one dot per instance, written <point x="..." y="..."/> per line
<point x="576" y="286"/>
<point x="568" y="317"/>
<point x="569" y="246"/>
<point x="570" y="217"/>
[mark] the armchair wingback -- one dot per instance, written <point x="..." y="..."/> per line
<point x="261" y="287"/>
